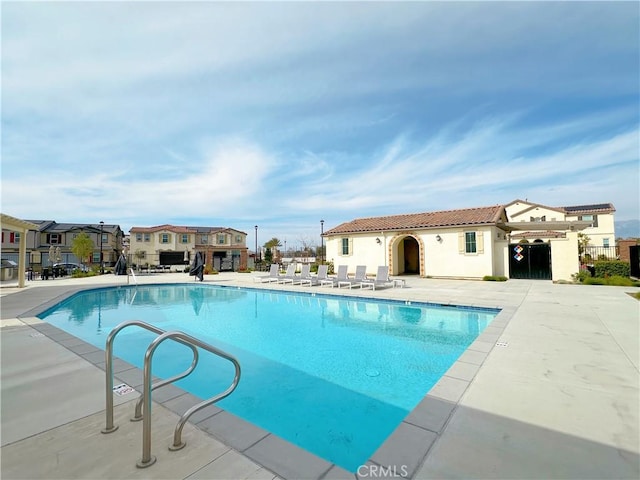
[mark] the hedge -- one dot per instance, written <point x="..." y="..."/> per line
<point x="612" y="268"/>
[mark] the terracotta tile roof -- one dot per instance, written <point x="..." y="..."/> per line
<point x="597" y="208"/>
<point x="183" y="229"/>
<point x="448" y="218"/>
<point x="158" y="228"/>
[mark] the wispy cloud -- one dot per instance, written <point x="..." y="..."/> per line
<point x="282" y="113"/>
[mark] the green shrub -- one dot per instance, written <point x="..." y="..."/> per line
<point x="616" y="281"/>
<point x="612" y="268"/>
<point x="494" y="278"/>
<point x="581" y="276"/>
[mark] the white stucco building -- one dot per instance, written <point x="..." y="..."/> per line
<point x="518" y="240"/>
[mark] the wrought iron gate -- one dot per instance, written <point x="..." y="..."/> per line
<point x="530" y="261"/>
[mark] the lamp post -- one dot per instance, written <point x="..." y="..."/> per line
<point x="101" y="263"/>
<point x="322" y="241"/>
<point x="256" y="258"/>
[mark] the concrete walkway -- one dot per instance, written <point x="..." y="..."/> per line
<point x="550" y="391"/>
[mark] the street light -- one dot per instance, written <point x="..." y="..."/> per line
<point x="101" y="263"/>
<point x="256" y="227"/>
<point x="321" y="241"/>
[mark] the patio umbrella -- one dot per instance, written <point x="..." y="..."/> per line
<point x="197" y="267"/>
<point x="120" y="267"/>
<point x="58" y="255"/>
<point x="52" y="255"/>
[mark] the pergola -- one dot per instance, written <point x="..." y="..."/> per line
<point x="16" y="225"/>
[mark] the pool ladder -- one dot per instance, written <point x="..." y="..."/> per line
<point x="143" y="405"/>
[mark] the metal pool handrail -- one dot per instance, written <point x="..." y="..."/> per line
<point x="110" y="427"/>
<point x="147" y="459"/>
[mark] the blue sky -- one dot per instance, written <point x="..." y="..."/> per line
<point x="282" y="114"/>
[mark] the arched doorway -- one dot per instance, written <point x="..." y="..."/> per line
<point x="405" y="256"/>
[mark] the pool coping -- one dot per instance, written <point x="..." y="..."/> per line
<point x="400" y="455"/>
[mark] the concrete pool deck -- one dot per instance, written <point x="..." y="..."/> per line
<point x="549" y="390"/>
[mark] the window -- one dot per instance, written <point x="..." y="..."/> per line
<point x="185" y="238"/>
<point x="164" y="238"/>
<point x="470" y="242"/>
<point x="138" y="237"/>
<point x="345" y="246"/>
<point x="590" y="218"/>
<point x="147" y="237"/>
<point x="238" y="238"/>
<point x="14" y="237"/>
<point x="204" y="239"/>
<point x="221" y="239"/>
<point x="605" y="242"/>
<point x="105" y="237"/>
<point x="53" y="238"/>
<point x="538" y="219"/>
<point x="95" y="257"/>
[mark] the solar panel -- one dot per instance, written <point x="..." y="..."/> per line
<point x="598" y="206"/>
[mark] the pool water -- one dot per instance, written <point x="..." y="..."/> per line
<point x="333" y="375"/>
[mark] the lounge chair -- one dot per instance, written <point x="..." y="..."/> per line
<point x="305" y="273"/>
<point x="272" y="277"/>
<point x="333" y="281"/>
<point x="382" y="279"/>
<point x="290" y="274"/>
<point x="316" y="280"/>
<point x="360" y="276"/>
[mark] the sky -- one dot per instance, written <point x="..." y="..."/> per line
<point x="283" y="114"/>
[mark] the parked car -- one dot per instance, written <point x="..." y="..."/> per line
<point x="71" y="267"/>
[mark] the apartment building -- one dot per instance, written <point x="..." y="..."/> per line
<point x="52" y="242"/>
<point x="224" y="248"/>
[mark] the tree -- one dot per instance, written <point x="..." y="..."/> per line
<point x="583" y="241"/>
<point x="307" y="246"/>
<point x="82" y="246"/>
<point x="274" y="242"/>
<point x="139" y="254"/>
<point x="269" y="246"/>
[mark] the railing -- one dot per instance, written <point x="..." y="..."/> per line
<point x="132" y="274"/>
<point x="145" y="400"/>
<point x="593" y="253"/>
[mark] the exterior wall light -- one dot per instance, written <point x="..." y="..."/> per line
<point x="438" y="238"/>
<point x="378" y="241"/>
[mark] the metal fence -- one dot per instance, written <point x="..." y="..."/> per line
<point x="593" y="254"/>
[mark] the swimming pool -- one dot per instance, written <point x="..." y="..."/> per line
<point x="333" y="375"/>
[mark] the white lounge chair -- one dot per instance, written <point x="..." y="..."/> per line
<point x="360" y="276"/>
<point x="305" y="273"/>
<point x="290" y="274"/>
<point x="382" y="279"/>
<point x="272" y="277"/>
<point x="333" y="281"/>
<point x="316" y="280"/>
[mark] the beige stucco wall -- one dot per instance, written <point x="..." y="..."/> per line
<point x="438" y="258"/>
<point x="605" y="229"/>
<point x="522" y="212"/>
<point x="564" y="257"/>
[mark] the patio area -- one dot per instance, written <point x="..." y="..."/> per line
<point x="551" y="390"/>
